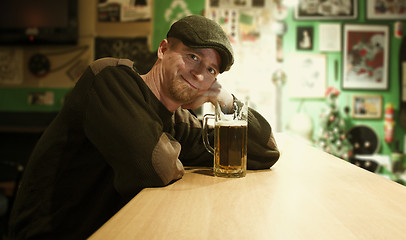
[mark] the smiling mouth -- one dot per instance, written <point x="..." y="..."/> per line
<point x="190" y="84"/>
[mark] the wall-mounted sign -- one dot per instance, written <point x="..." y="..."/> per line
<point x="169" y="11"/>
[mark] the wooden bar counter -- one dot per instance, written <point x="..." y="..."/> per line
<point x="307" y="194"/>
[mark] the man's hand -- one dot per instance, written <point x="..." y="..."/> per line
<point x="216" y="93"/>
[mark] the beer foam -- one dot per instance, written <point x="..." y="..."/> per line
<point x="232" y="123"/>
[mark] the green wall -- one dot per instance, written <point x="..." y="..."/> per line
<point x="314" y="107"/>
<point x="16" y="99"/>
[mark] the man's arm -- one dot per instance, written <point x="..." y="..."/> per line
<point x="216" y="93"/>
<point x="262" y="148"/>
<point x="129" y="134"/>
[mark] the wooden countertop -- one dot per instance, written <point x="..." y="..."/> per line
<point x="307" y="194"/>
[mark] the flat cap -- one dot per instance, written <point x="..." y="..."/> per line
<point x="200" y="32"/>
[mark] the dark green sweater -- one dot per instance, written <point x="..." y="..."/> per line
<point x="111" y="139"/>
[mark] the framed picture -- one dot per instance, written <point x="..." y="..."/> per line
<point x="308" y="77"/>
<point x="365" y="57"/>
<point x="326" y="9"/>
<point x="304" y="38"/>
<point x="367" y="106"/>
<point x="330" y="37"/>
<point x="386" y="9"/>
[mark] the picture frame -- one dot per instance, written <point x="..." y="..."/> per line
<point x="304" y="38"/>
<point x="367" y="106"/>
<point x="326" y="10"/>
<point x="330" y="37"/>
<point x="309" y="77"/>
<point x="386" y="10"/>
<point x="365" y="57"/>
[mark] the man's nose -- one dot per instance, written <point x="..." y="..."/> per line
<point x="198" y="72"/>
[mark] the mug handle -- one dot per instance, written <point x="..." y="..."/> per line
<point x="205" y="134"/>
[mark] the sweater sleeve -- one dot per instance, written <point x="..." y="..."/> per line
<point x="128" y="133"/>
<point x="262" y="148"/>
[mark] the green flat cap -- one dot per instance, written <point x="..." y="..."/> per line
<point x="200" y="32"/>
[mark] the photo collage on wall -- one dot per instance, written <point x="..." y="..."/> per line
<point x="364" y="41"/>
<point x="239" y="18"/>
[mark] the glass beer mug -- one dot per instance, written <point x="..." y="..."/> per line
<point x="230" y="139"/>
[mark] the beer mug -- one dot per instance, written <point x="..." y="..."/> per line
<point x="230" y="139"/>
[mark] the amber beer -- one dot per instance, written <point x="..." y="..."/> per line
<point x="230" y="144"/>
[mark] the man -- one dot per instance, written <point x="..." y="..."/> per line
<point x="120" y="132"/>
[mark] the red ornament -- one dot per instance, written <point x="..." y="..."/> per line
<point x="333" y="91"/>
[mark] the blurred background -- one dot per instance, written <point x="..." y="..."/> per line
<point x="330" y="73"/>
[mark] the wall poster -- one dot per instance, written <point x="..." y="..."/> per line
<point x="308" y="77"/>
<point x="304" y="39"/>
<point x="365" y="58"/>
<point x="326" y="9"/>
<point x="367" y="106"/>
<point x="11" y="62"/>
<point x="386" y="9"/>
<point x="330" y="37"/>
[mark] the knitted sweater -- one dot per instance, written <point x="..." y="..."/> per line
<point x="111" y="139"/>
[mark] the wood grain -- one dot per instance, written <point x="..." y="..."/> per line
<point x="308" y="194"/>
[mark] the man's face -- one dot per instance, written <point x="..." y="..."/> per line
<point x="188" y="72"/>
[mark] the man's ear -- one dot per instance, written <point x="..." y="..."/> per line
<point x="163" y="47"/>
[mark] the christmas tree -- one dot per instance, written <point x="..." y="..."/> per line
<point x="332" y="133"/>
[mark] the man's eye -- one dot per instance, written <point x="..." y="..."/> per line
<point x="193" y="57"/>
<point x="212" y="71"/>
